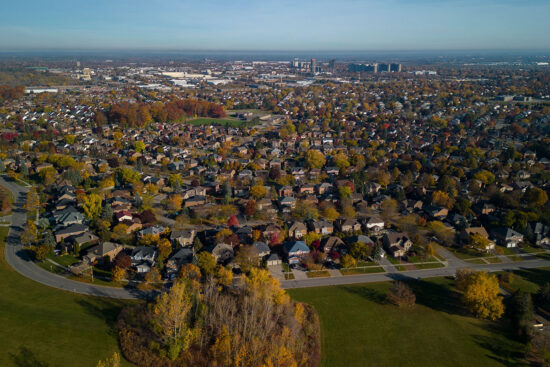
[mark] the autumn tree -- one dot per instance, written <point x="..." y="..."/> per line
<point x="174" y="202"/>
<point x="139" y="146"/>
<point x="315" y="159"/>
<point x="118" y="274"/>
<point x="32" y="202"/>
<point x="175" y="180"/>
<point x="207" y="263"/>
<point x="247" y="258"/>
<point x="113" y="361"/>
<point x="348" y="262"/>
<point x="170" y="318"/>
<point x="92" y="206"/>
<point x="258" y="191"/>
<point x="480" y="294"/>
<point x="401" y="295"/>
<point x="29" y="234"/>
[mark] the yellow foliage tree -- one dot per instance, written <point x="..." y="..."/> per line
<point x="481" y="294"/>
<point x="263" y="286"/>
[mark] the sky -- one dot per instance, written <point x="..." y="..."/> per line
<point x="338" y="25"/>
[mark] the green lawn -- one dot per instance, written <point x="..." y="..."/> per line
<point x="220" y="122"/>
<point x="368" y="270"/>
<point x="42" y="326"/>
<point x="359" y="328"/>
<point x="318" y="274"/>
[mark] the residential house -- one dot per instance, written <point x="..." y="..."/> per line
<point x="396" y="243"/>
<point x="182" y="237"/>
<point x="297" y="230"/>
<point x="507" y="237"/>
<point x="295" y="250"/>
<point x="104" y="252"/>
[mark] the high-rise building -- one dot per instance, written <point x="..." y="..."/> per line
<point x="313" y="65"/>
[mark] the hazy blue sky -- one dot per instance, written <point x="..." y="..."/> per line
<point x="275" y="24"/>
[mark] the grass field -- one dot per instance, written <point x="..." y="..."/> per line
<point x="42" y="326"/>
<point x="220" y="122"/>
<point x="359" y="328"/>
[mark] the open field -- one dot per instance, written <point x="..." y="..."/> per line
<point x="359" y="328"/>
<point x="220" y="122"/>
<point x="43" y="326"/>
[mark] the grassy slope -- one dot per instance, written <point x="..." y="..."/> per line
<point x="360" y="329"/>
<point x="42" y="326"/>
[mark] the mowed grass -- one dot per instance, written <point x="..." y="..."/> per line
<point x="359" y="328"/>
<point x="42" y="326"/>
<point x="219" y="122"/>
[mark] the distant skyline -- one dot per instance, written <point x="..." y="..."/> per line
<point x="342" y="25"/>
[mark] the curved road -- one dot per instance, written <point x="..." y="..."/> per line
<point x="19" y="260"/>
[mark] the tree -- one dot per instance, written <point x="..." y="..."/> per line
<point x="113" y="361"/>
<point x="118" y="274"/>
<point x="444" y="234"/>
<point x="250" y="207"/>
<point x="170" y="318"/>
<point x="139" y="146"/>
<point x="175" y="180"/>
<point x="232" y="222"/>
<point x="481" y="294"/>
<point x="92" y="206"/>
<point x="536" y="197"/>
<point x="315" y="159"/>
<point x="107" y="212"/>
<point x="42" y="251"/>
<point x="207" y="263"/>
<point x="263" y="286"/>
<point x="224" y="276"/>
<point x="311" y="237"/>
<point x="377" y="252"/>
<point x="430" y="250"/>
<point x="258" y="191"/>
<point x="521" y="313"/>
<point x="401" y="295"/>
<point x="247" y="258"/>
<point x="120" y="231"/>
<point x="330" y="213"/>
<point x="152" y="276"/>
<point x="388" y="209"/>
<point x="341" y="161"/>
<point x="32" y="201"/>
<point x="174" y="202"/>
<point x="485" y="177"/>
<point x="30" y="234"/>
<point x="441" y="198"/>
<point x="122" y="261"/>
<point x="479" y="242"/>
<point x="359" y="251"/>
<point x="348" y="262"/>
<point x="165" y="249"/>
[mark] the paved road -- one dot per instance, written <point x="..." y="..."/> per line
<point x="18" y="259"/>
<point x="427" y="273"/>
